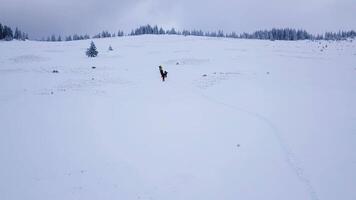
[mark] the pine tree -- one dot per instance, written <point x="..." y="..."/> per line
<point x="120" y="33"/>
<point x="75" y="37"/>
<point x="23" y="36"/>
<point x="7" y="33"/>
<point x="69" y="38"/>
<point x="172" y="32"/>
<point x="17" y="34"/>
<point x="155" y="30"/>
<point x="221" y="33"/>
<point x="1" y="32"/>
<point x="91" y="51"/>
<point x="161" y="31"/>
<point x="53" y="38"/>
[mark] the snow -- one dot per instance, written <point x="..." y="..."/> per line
<point x="236" y="119"/>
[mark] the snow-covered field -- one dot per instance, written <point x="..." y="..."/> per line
<point x="236" y="119"/>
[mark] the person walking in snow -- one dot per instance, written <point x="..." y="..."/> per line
<point x="163" y="73"/>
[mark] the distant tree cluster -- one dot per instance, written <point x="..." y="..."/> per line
<point x="107" y="34"/>
<point x="77" y="37"/>
<point x="279" y="34"/>
<point x="148" y="29"/>
<point x="120" y="34"/>
<point x="341" y="35"/>
<point x="273" y="34"/>
<point x="155" y="30"/>
<point x="54" y="38"/>
<point x="103" y="34"/>
<point x="7" y="34"/>
<point x="293" y="34"/>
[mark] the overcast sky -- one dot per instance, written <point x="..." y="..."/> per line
<point x="44" y="17"/>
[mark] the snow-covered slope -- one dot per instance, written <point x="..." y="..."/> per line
<point x="236" y="119"/>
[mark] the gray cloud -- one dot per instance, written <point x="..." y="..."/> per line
<point x="44" y="17"/>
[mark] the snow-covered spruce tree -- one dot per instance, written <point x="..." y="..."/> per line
<point x="69" y="38"/>
<point x="1" y="32"/>
<point x="155" y="30"/>
<point x="53" y="38"/>
<point x="76" y="37"/>
<point x="120" y="33"/>
<point x="17" y="34"/>
<point x="91" y="51"/>
<point x="7" y="33"/>
<point x="24" y="36"/>
<point x="161" y="31"/>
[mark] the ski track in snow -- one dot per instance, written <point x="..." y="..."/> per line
<point x="215" y="78"/>
<point x="290" y="157"/>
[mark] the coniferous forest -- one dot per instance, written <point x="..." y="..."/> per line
<point x="6" y="33"/>
<point x="291" y="34"/>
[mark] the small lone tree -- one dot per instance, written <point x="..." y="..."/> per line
<point x="110" y="48"/>
<point x="91" y="51"/>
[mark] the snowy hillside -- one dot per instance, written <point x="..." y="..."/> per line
<point x="236" y="119"/>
